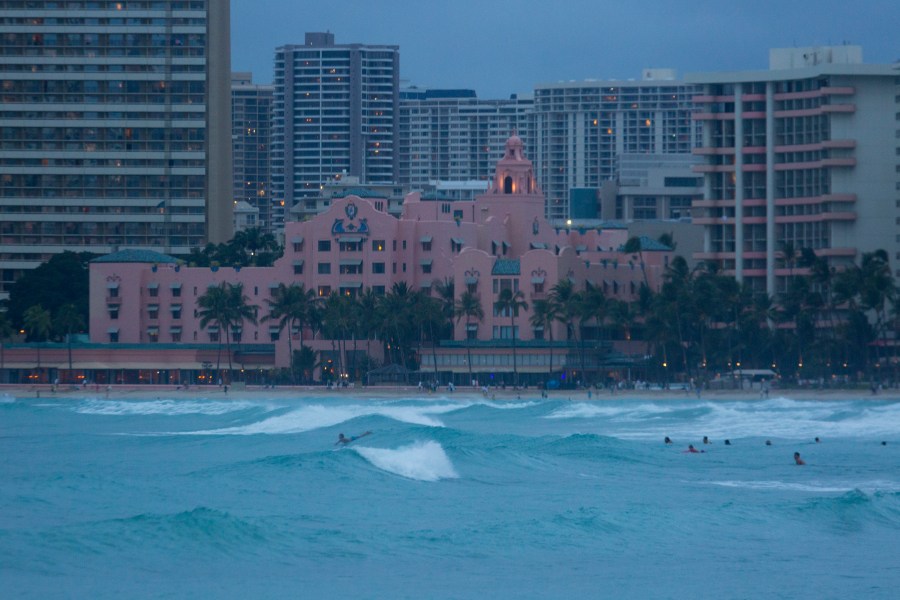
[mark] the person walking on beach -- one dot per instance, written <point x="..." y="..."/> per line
<point x="797" y="459"/>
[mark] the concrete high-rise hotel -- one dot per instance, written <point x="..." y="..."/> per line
<point x="251" y="117"/>
<point x="582" y="127"/>
<point x="114" y="127"/>
<point x="335" y="113"/>
<point x="803" y="154"/>
<point x="452" y="135"/>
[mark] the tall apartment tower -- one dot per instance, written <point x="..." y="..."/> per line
<point x="335" y="113"/>
<point x="451" y="135"/>
<point x="581" y="127"/>
<point x="251" y="118"/>
<point x="801" y="156"/>
<point x="115" y="123"/>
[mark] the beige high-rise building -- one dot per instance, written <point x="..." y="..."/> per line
<point x="115" y="128"/>
<point x="802" y="155"/>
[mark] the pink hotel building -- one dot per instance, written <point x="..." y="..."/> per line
<point x="143" y="305"/>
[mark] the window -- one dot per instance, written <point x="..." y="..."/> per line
<point x="324" y="245"/>
<point x="153" y="335"/>
<point x="114" y="337"/>
<point x="324" y="269"/>
<point x="350" y="246"/>
<point x="176" y="290"/>
<point x="377" y="245"/>
<point x="378" y="290"/>
<point x="176" y="311"/>
<point x="113" y="311"/>
<point x="351" y="267"/>
<point x="538" y="333"/>
<point x="153" y="311"/>
<point x="176" y="335"/>
<point x="298" y="267"/>
<point x="153" y="290"/>
<point x="378" y="268"/>
<point x="505" y="332"/>
<point x="324" y="290"/>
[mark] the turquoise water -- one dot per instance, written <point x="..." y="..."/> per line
<point x="451" y="497"/>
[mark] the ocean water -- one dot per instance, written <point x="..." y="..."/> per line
<point x="450" y="497"/>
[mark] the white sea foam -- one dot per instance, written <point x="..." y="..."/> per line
<point x="317" y="416"/>
<point x="424" y="461"/>
<point x="869" y="487"/>
<point x="778" y="417"/>
<point x="161" y="407"/>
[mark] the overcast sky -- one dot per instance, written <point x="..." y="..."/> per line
<point x="500" y="47"/>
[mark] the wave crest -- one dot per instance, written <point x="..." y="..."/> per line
<point x="424" y="461"/>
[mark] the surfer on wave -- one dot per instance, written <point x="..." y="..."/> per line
<point x="342" y="439"/>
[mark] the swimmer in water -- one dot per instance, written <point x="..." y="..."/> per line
<point x="768" y="442"/>
<point x="706" y="440"/>
<point x="797" y="459"/>
<point x="668" y="440"/>
<point x="727" y="442"/>
<point x="692" y="450"/>
<point x="342" y="439"/>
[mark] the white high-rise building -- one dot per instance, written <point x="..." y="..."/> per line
<point x="336" y="108"/>
<point x="451" y="135"/>
<point x="114" y="128"/>
<point x="581" y="127"/>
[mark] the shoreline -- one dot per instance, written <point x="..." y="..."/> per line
<point x="150" y="391"/>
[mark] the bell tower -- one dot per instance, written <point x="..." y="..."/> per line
<point x="514" y="174"/>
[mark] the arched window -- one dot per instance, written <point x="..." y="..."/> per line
<point x="507" y="185"/>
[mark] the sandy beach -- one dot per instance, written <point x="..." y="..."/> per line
<point x="386" y="392"/>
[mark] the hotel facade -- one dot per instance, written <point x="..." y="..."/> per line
<point x="145" y="306"/>
<point x="335" y="113"/>
<point x="803" y="155"/>
<point x="114" y="128"/>
<point x="251" y="118"/>
<point x="582" y="127"/>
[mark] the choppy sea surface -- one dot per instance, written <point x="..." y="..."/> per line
<point x="450" y="497"/>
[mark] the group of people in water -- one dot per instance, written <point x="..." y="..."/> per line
<point x="692" y="450"/>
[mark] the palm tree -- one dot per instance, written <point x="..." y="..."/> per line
<point x="226" y="306"/>
<point x="6" y="330"/>
<point x="635" y="245"/>
<point x="564" y="295"/>
<point x="429" y="316"/>
<point x="337" y="320"/>
<point x="37" y="323"/>
<point x="290" y="306"/>
<point x="68" y="320"/>
<point x="395" y="312"/>
<point x="544" y="314"/>
<point x="511" y="302"/>
<point x="468" y="305"/>
<point x="446" y="293"/>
